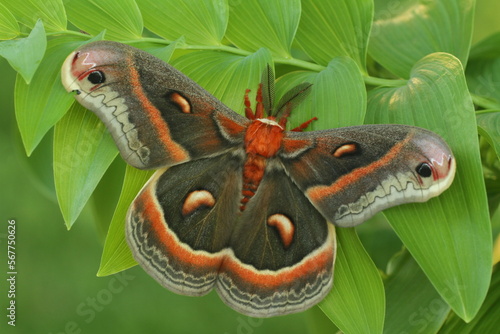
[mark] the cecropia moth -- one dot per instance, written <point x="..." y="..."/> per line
<point x="239" y="204"/>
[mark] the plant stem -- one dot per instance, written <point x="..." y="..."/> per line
<point x="69" y="32"/>
<point x="306" y="65"/>
<point x="484" y="102"/>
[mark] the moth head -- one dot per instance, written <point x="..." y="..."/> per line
<point x="265" y="100"/>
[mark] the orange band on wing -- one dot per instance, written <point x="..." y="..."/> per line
<point x="294" y="145"/>
<point x="317" y="263"/>
<point x="317" y="193"/>
<point x="229" y="126"/>
<point x="178" y="154"/>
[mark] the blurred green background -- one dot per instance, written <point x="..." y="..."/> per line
<point x="57" y="290"/>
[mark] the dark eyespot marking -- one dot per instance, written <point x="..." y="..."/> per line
<point x="424" y="169"/>
<point x="346" y="149"/>
<point x="96" y="77"/>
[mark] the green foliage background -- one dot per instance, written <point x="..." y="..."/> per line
<point x="391" y="61"/>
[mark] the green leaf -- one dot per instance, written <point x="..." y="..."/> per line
<point x="483" y="72"/>
<point x="496" y="248"/>
<point x="488" y="122"/>
<point x="489" y="127"/>
<point x="103" y="201"/>
<point x="9" y="28"/>
<point x="226" y="76"/>
<point x="335" y="28"/>
<point x="116" y="255"/>
<point x="337" y="98"/>
<point x="28" y="12"/>
<point x="449" y="236"/>
<point x="379" y="239"/>
<point x="356" y="302"/>
<point x="487" y="319"/>
<point x="318" y="322"/>
<point x="427" y="310"/>
<point x="487" y="48"/>
<point x="262" y="23"/>
<point x="25" y="55"/>
<point x="164" y="53"/>
<point x="121" y="19"/>
<point x="405" y="31"/>
<point x="201" y="22"/>
<point x="44" y="101"/>
<point x="158" y="50"/>
<point x="83" y="151"/>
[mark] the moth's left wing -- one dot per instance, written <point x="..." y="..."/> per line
<point x="157" y="116"/>
<point x="351" y="173"/>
